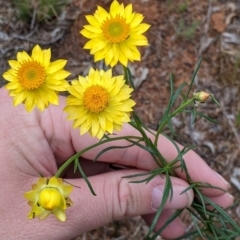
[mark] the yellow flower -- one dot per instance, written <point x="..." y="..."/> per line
<point x="34" y="80"/>
<point x="99" y="103"/>
<point x="49" y="196"/>
<point x="115" y="35"/>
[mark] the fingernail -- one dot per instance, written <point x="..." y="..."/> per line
<point x="223" y="179"/>
<point x="178" y="200"/>
<point x="230" y="195"/>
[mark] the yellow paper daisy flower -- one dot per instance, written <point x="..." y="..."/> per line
<point x="115" y="35"/>
<point x="34" y="80"/>
<point x="99" y="103"/>
<point x="49" y="196"/>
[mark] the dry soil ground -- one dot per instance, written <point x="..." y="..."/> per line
<point x="181" y="31"/>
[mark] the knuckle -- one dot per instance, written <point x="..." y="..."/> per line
<point x="127" y="201"/>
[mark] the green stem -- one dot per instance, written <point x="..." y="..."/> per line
<point x="185" y="104"/>
<point x="179" y="109"/>
<point x="78" y="154"/>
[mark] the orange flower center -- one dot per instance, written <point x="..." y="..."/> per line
<point x="116" y="30"/>
<point x="31" y="75"/>
<point x="96" y="98"/>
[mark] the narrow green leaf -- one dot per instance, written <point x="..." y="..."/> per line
<point x="170" y="219"/>
<point x="75" y="165"/>
<point x="223" y="213"/>
<point x="194" y="114"/>
<point x="187" y="236"/>
<point x="112" y="148"/>
<point x="128" y="76"/>
<point x="151" y="151"/>
<point x="154" y="148"/>
<point x="171" y="128"/>
<point x="166" y="112"/>
<point x="146" y="180"/>
<point x="203" y="116"/>
<point x="202" y="201"/>
<point x="140" y="129"/>
<point x="191" y="186"/>
<point x="137" y="121"/>
<point x="207" y="185"/>
<point x="193" y="77"/>
<point x="86" y="179"/>
<point x="196" y="226"/>
<point x="180" y="155"/>
<point x="137" y="175"/>
<point x="214" y="99"/>
<point x="220" y="233"/>
<point x="167" y="192"/>
<point x="207" y="117"/>
<point x="176" y="94"/>
<point x="193" y="211"/>
<point x="213" y="230"/>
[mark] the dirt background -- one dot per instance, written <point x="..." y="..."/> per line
<point x="181" y="31"/>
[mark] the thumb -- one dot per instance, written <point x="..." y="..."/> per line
<point x="117" y="198"/>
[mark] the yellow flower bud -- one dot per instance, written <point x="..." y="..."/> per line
<point x="50" y="198"/>
<point x="201" y="96"/>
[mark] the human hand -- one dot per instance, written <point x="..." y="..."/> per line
<point x="39" y="142"/>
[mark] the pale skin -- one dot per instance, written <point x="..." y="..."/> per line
<point x="39" y="142"/>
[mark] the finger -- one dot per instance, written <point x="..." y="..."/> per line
<point x="224" y="201"/>
<point x="177" y="228"/>
<point x="173" y="230"/>
<point x="68" y="140"/>
<point x="139" y="158"/>
<point x="117" y="198"/>
<point x="89" y="168"/>
<point x="64" y="141"/>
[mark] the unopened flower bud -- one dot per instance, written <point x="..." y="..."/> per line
<point x="201" y="96"/>
<point x="50" y="198"/>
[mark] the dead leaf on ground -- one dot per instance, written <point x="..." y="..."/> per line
<point x="218" y="21"/>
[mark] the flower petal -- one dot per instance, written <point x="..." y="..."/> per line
<point x="104" y="45"/>
<point x="110" y="115"/>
